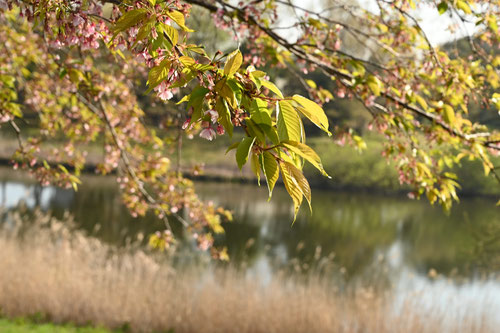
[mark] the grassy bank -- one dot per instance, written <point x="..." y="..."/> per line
<point x="64" y="276"/>
<point x="368" y="171"/>
<point x="349" y="169"/>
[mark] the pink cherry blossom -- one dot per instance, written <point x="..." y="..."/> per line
<point x="165" y="95"/>
<point x="186" y="123"/>
<point x="213" y="115"/>
<point x="208" y="133"/>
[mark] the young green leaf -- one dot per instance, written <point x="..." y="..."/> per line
<point x="129" y="19"/>
<point x="171" y="32"/>
<point x="307" y="153"/>
<point x="255" y="131"/>
<point x="157" y="74"/>
<point x="178" y="18"/>
<point x="254" y="163"/>
<point x="442" y="7"/>
<point x="288" y="122"/>
<point x="374" y="84"/>
<point x="226" y="92"/>
<point x="292" y="187"/>
<point x="270" y="168"/>
<point x="233" y="63"/>
<point x="271" y="86"/>
<point x="449" y="115"/>
<point x="313" y="112"/>
<point x="187" y="61"/>
<point x="243" y="150"/>
<point x="302" y="182"/>
<point x="234" y="145"/>
<point x="224" y="116"/>
<point x="259" y="112"/>
<point x="196" y="101"/>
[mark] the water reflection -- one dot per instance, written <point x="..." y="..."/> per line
<point x="355" y="232"/>
<point x="354" y="239"/>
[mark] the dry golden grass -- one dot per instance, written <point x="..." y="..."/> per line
<point x="69" y="277"/>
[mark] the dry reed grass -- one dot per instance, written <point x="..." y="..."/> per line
<point x="47" y="268"/>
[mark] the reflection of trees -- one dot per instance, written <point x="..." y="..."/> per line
<point x="463" y="242"/>
<point x="352" y="227"/>
<point x="98" y="204"/>
<point x="356" y="227"/>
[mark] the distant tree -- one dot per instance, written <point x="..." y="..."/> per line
<point x="77" y="65"/>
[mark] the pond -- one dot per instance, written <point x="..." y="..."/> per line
<point x="405" y="243"/>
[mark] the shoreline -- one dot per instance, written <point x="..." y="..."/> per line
<point x="217" y="174"/>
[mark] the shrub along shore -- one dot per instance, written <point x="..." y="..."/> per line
<point x="350" y="170"/>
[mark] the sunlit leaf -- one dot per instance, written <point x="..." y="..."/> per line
<point x="270" y="169"/>
<point x="288" y="122"/>
<point x="171" y="32"/>
<point x="157" y="74"/>
<point x="224" y="116"/>
<point x="292" y="186"/>
<point x="243" y="150"/>
<point x="313" y="112"/>
<point x="305" y="152"/>
<point x="271" y="86"/>
<point x="178" y="18"/>
<point x="449" y="114"/>
<point x="129" y="19"/>
<point x="233" y="63"/>
<point x="260" y="114"/>
<point x="255" y="165"/>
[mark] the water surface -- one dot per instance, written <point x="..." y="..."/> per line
<point x="356" y="238"/>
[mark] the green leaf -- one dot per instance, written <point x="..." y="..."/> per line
<point x="243" y="150"/>
<point x="464" y="7"/>
<point x="236" y="88"/>
<point x="271" y="86"/>
<point x="292" y="186"/>
<point x="420" y="100"/>
<point x="270" y="168"/>
<point x="196" y="101"/>
<point x="224" y="116"/>
<point x="129" y="19"/>
<point x="226" y="92"/>
<point x="302" y="182"/>
<point x="178" y="18"/>
<point x="233" y="63"/>
<point x="271" y="133"/>
<point x="187" y="61"/>
<point x="288" y="122"/>
<point x="374" y="84"/>
<point x="255" y="130"/>
<point x="184" y="99"/>
<point x="157" y="74"/>
<point x="449" y="114"/>
<point x="255" y="166"/>
<point x="260" y="114"/>
<point x="313" y="112"/>
<point x="171" y="32"/>
<point x="232" y="146"/>
<point x="144" y="32"/>
<point x="307" y="153"/>
<point x="442" y="7"/>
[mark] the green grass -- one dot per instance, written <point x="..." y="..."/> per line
<point x="24" y="326"/>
